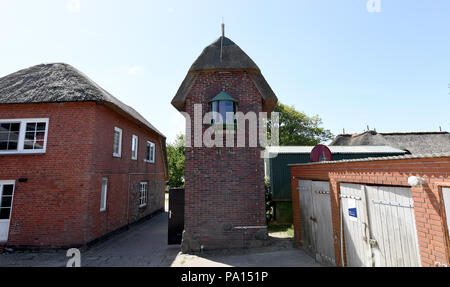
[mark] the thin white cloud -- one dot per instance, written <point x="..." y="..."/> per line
<point x="74" y="6"/>
<point x="134" y="70"/>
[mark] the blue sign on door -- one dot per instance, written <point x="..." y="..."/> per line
<point x="352" y="212"/>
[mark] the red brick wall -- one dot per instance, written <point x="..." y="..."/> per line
<point x="124" y="174"/>
<point x="49" y="208"/>
<point x="428" y="206"/>
<point x="59" y="204"/>
<point x="224" y="187"/>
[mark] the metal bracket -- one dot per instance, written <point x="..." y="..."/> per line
<point x="349" y="196"/>
<point x="322" y="192"/>
<point x="392" y="203"/>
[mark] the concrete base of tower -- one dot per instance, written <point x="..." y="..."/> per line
<point x="232" y="239"/>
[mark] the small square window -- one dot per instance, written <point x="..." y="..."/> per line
<point x="143" y="194"/>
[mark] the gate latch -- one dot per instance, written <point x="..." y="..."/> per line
<point x="372" y="242"/>
<point x="313" y="219"/>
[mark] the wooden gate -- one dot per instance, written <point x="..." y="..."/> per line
<point x="316" y="220"/>
<point x="379" y="226"/>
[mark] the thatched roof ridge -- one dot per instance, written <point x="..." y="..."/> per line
<point x="57" y="83"/>
<point x="413" y="142"/>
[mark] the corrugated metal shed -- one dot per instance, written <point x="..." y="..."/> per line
<point x="280" y="177"/>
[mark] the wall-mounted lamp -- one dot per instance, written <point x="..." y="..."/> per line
<point x="23" y="179"/>
<point x="415" y="181"/>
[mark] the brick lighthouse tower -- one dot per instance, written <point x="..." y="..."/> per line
<point x="224" y="186"/>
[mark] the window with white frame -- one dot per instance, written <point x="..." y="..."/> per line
<point x="150" y="157"/>
<point x="134" y="147"/>
<point x="23" y="136"/>
<point x="6" y="198"/>
<point x="117" y="146"/>
<point x="104" y="193"/>
<point x="143" y="194"/>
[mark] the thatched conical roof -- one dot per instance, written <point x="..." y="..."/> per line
<point x="224" y="55"/>
<point x="233" y="58"/>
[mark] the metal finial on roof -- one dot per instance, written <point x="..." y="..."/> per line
<point x="223" y="28"/>
<point x="221" y="44"/>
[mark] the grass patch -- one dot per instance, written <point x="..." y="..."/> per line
<point x="289" y="229"/>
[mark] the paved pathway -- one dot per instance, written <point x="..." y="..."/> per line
<point x="141" y="245"/>
<point x="146" y="245"/>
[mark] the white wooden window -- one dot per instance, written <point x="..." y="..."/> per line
<point x="6" y="204"/>
<point x="26" y="136"/>
<point x="150" y="157"/>
<point x="117" y="147"/>
<point x="134" y="147"/>
<point x="104" y="194"/>
<point x="446" y="195"/>
<point x="6" y="199"/>
<point x="143" y="194"/>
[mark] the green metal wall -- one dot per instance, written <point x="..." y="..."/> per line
<point x="280" y="173"/>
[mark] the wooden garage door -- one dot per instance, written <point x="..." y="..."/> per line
<point x="392" y="226"/>
<point x="355" y="225"/>
<point x="379" y="226"/>
<point x="316" y="220"/>
<point x="306" y="212"/>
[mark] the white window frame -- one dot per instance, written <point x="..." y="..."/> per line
<point x="22" y="131"/>
<point x="143" y="196"/>
<point x="119" y="153"/>
<point x="134" y="149"/>
<point x="446" y="201"/>
<point x="152" y="154"/>
<point x="104" y="194"/>
<point x="8" y="182"/>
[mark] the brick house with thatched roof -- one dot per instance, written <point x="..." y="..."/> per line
<point x="411" y="142"/>
<point x="76" y="162"/>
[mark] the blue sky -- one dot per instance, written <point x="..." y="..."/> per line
<point x="388" y="70"/>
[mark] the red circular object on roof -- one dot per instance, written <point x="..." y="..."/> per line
<point x="320" y="153"/>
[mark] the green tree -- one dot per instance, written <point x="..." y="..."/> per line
<point x="176" y="161"/>
<point x="297" y="129"/>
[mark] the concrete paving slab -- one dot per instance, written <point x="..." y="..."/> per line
<point x="281" y="258"/>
